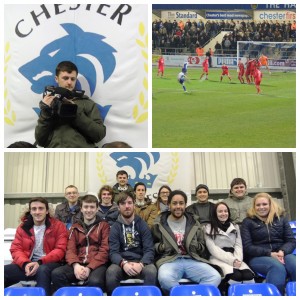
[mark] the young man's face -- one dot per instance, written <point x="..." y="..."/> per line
<point x="66" y="80"/>
<point x="89" y="211"/>
<point x="106" y="197"/>
<point x="239" y="191"/>
<point x="126" y="208"/>
<point x="202" y="195"/>
<point x="177" y="206"/>
<point x="140" y="193"/>
<point x="122" y="179"/>
<point x="72" y="195"/>
<point x="39" y="212"/>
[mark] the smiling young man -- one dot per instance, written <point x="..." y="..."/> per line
<point x="130" y="247"/>
<point x="38" y="248"/>
<point x="143" y="206"/>
<point x="202" y="208"/>
<point x="87" y="250"/>
<point x="69" y="211"/>
<point x="180" y="247"/>
<point x="238" y="200"/>
<point x="83" y="130"/>
<point x="122" y="184"/>
<point x="108" y="209"/>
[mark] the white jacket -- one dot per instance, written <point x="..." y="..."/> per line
<point x="230" y="238"/>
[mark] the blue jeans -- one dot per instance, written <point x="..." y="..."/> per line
<point x="170" y="273"/>
<point x="275" y="272"/>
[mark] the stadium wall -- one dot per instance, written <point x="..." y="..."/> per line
<point x="217" y="61"/>
<point x="30" y="175"/>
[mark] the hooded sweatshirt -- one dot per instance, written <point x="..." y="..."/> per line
<point x="132" y="242"/>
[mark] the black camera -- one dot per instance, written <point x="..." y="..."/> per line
<point x="62" y="104"/>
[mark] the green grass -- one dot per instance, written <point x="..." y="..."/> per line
<point x="216" y="114"/>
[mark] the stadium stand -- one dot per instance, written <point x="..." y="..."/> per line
<point x="195" y="290"/>
<point x="254" y="289"/>
<point x="138" y="290"/>
<point x="24" y="291"/>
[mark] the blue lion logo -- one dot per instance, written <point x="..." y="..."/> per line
<point x="140" y="162"/>
<point x="41" y="70"/>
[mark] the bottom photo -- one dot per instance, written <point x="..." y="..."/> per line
<point x="149" y="223"/>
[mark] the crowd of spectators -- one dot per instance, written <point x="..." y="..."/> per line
<point x="196" y="34"/>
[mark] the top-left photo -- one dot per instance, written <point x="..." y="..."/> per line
<point x="76" y="76"/>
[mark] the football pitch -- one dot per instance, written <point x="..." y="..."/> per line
<point x="214" y="114"/>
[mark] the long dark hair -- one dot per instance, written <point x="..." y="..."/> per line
<point x="214" y="221"/>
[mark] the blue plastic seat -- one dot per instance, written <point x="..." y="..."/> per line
<point x="79" y="291"/>
<point x="195" y="290"/>
<point x="137" y="290"/>
<point x="293" y="226"/>
<point x="253" y="289"/>
<point x="24" y="291"/>
<point x="291" y="288"/>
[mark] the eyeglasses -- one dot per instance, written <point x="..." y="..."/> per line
<point x="165" y="193"/>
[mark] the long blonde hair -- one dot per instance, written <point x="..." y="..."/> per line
<point x="275" y="209"/>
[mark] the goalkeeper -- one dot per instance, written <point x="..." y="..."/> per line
<point x="265" y="62"/>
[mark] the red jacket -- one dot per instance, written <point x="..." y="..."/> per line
<point x="55" y="242"/>
<point x="88" y="248"/>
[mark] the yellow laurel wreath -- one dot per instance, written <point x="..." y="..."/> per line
<point x="9" y="114"/>
<point x="174" y="167"/>
<point x="100" y="169"/>
<point x="140" y="110"/>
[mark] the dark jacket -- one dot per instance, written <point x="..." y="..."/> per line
<point x="88" y="246"/>
<point x="117" y="191"/>
<point x="165" y="243"/>
<point x="201" y="210"/>
<point x="62" y="213"/>
<point x="54" y="243"/>
<point x="111" y="215"/>
<point x="83" y="131"/>
<point x="260" y="239"/>
<point x="132" y="242"/>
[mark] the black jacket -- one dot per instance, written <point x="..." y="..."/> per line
<point x="260" y="239"/>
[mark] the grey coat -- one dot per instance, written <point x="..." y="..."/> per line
<point x="231" y="238"/>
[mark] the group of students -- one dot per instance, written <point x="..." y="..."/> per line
<point x="124" y="235"/>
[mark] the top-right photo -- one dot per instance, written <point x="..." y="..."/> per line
<point x="224" y="76"/>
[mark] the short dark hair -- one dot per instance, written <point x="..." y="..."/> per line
<point x="139" y="183"/>
<point x="21" y="144"/>
<point x="89" y="199"/>
<point x="122" y="172"/>
<point x="116" y="144"/>
<point x="177" y="192"/>
<point x="66" y="66"/>
<point x="236" y="181"/>
<point x="39" y="199"/>
<point x="121" y="197"/>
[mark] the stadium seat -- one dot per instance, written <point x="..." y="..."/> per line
<point x="137" y="290"/>
<point x="195" y="290"/>
<point x="253" y="289"/>
<point x="79" y="291"/>
<point x="293" y="226"/>
<point x="24" y="291"/>
<point x="291" y="288"/>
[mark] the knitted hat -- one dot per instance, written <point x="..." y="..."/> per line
<point x="202" y="186"/>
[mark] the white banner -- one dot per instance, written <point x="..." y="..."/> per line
<point x="109" y="45"/>
<point x="274" y="15"/>
<point x="154" y="169"/>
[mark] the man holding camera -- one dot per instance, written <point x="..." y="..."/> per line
<point x="68" y="119"/>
